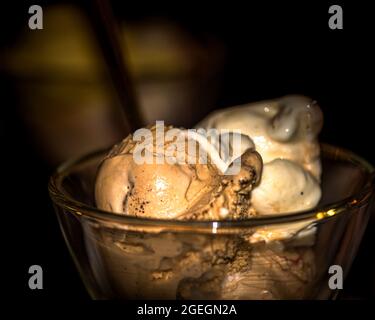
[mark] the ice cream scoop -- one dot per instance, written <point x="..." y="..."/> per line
<point x="285" y="187"/>
<point x="284" y="132"/>
<point x="171" y="188"/>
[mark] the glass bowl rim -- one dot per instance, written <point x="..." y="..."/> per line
<point x="61" y="198"/>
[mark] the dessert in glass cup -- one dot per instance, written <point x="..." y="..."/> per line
<point x="248" y="205"/>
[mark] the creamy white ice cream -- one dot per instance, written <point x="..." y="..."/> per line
<point x="285" y="187"/>
<point x="284" y="132"/>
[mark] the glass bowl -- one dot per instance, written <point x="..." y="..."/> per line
<point x="283" y="256"/>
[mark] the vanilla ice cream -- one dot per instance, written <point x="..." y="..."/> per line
<point x="284" y="132"/>
<point x="292" y="187"/>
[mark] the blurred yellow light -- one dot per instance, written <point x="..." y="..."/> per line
<point x="320" y="215"/>
<point x="331" y="212"/>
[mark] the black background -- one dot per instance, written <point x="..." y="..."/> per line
<point x="273" y="49"/>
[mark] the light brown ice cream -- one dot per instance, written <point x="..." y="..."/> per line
<point x="175" y="265"/>
<point x="174" y="191"/>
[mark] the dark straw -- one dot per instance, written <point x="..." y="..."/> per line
<point x="107" y="33"/>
